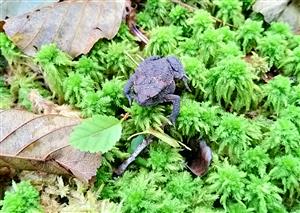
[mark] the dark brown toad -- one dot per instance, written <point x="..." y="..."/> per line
<point x="154" y="82"/>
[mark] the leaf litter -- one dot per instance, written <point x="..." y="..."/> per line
<point x="75" y="26"/>
<point x="40" y="142"/>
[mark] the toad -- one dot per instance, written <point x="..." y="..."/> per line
<point x="154" y="82"/>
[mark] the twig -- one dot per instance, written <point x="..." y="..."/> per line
<point x="219" y="20"/>
<point x="125" y="117"/>
<point x="129" y="56"/>
<point x="139" y="34"/>
<point x="130" y="14"/>
<point x="189" y="7"/>
<point x="121" y="169"/>
<point x="140" y="57"/>
<point x="192" y="9"/>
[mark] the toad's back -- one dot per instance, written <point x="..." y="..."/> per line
<point x="151" y="77"/>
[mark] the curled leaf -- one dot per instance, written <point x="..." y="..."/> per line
<point x="201" y="159"/>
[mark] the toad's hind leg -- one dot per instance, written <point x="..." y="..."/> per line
<point x="175" y="99"/>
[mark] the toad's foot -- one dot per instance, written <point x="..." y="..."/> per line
<point x="175" y="99"/>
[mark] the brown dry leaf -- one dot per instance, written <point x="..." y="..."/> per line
<point x="40" y="142"/>
<point x="201" y="159"/>
<point x="11" y="8"/>
<point x="40" y="105"/>
<point x="280" y="10"/>
<point x="74" y="25"/>
<point x="271" y="9"/>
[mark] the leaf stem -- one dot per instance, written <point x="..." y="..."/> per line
<point x="125" y="117"/>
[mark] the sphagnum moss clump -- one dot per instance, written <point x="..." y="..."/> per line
<point x="244" y="77"/>
<point x="231" y="83"/>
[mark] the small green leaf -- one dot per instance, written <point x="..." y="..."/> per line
<point x="163" y="137"/>
<point x="97" y="134"/>
<point x="135" y="142"/>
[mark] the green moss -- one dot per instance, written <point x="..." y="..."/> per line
<point x="145" y="117"/>
<point x="55" y="65"/>
<point x="89" y="67"/>
<point x="210" y="41"/>
<point x="228" y="182"/>
<point x="231" y="83"/>
<point x="228" y="35"/>
<point x="234" y="135"/>
<point x="273" y="47"/>
<point x="201" y="21"/>
<point x="244" y="77"/>
<point x="290" y="64"/>
<point x="164" y="158"/>
<point x="116" y="58"/>
<point x="283" y="138"/>
<point x="23" y="198"/>
<point x="255" y="161"/>
<point x="287" y="172"/>
<point x="281" y="29"/>
<point x="94" y="103"/>
<point x="6" y="98"/>
<point x="227" y="50"/>
<point x="163" y="40"/>
<point x="114" y="89"/>
<point x="249" y="34"/>
<point x="178" y="16"/>
<point x="277" y="92"/>
<point x="76" y="86"/>
<point x="196" y="71"/>
<point x="229" y="11"/>
<point x="9" y="50"/>
<point x="197" y="119"/>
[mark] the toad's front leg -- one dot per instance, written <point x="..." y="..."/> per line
<point x="175" y="99"/>
<point x="128" y="89"/>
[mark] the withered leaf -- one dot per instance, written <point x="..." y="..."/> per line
<point x="11" y="8"/>
<point x="201" y="159"/>
<point x="271" y="9"/>
<point x="280" y="10"/>
<point x="74" y="25"/>
<point x="40" y="142"/>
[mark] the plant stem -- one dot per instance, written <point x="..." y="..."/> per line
<point x="189" y="7"/>
<point x="121" y="169"/>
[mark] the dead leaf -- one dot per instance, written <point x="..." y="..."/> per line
<point x="280" y="10"/>
<point x="74" y="25"/>
<point x="41" y="105"/>
<point x="11" y="8"/>
<point x="291" y="15"/>
<point x="201" y="159"/>
<point x="40" y="142"/>
<point x="271" y="9"/>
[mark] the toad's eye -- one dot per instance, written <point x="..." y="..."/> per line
<point x="175" y="64"/>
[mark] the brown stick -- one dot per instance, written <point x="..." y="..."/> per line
<point x="121" y="169"/>
<point x="189" y="7"/>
